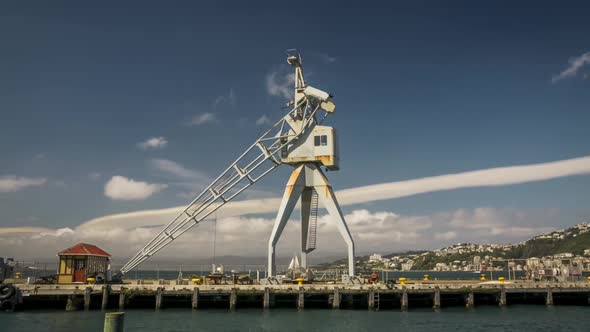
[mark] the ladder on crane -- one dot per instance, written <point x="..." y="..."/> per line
<point x="313" y="223"/>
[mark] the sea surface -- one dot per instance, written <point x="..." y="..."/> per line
<point x="483" y="318"/>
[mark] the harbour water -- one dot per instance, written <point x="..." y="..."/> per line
<point x="483" y="318"/>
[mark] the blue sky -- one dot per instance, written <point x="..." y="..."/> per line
<point x="422" y="89"/>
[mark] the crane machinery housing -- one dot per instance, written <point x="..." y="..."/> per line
<point x="298" y="139"/>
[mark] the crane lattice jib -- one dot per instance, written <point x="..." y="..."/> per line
<point x="258" y="160"/>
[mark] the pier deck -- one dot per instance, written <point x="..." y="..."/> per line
<point x="437" y="295"/>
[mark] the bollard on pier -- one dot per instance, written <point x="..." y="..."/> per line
<point x="114" y="322"/>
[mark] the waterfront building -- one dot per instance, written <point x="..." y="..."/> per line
<point x="82" y="261"/>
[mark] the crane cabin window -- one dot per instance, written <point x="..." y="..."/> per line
<point x="320" y="140"/>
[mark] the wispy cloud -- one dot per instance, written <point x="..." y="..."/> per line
<point x="326" y="58"/>
<point x="12" y="183"/>
<point x="94" y="176"/>
<point x="176" y="169"/>
<point x="120" y="188"/>
<point x="228" y="99"/>
<point x="201" y="119"/>
<point x="574" y="67"/>
<point x="219" y="103"/>
<point x="153" y="143"/>
<point x="60" y="184"/>
<point x="280" y="83"/>
<point x="445" y="236"/>
<point x="192" y="181"/>
<point x="263" y="120"/>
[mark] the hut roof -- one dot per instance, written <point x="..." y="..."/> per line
<point x="84" y="249"/>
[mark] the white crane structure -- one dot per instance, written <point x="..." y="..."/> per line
<point x="298" y="139"/>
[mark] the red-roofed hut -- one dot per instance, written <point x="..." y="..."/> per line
<point x="80" y="262"/>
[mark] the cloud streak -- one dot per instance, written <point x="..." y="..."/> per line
<point x="263" y="120"/>
<point x="201" y="119"/>
<point x="12" y="183"/>
<point x="491" y="177"/>
<point x="229" y="99"/>
<point x="572" y="70"/>
<point x="153" y="143"/>
<point x="176" y="169"/>
<point x="481" y="178"/>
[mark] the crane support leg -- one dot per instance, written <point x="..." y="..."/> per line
<point x="293" y="190"/>
<point x="303" y="180"/>
<point x="328" y="200"/>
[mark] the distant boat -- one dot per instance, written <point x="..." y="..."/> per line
<point x="294" y="263"/>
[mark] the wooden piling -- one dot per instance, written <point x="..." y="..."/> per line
<point x="105" y="297"/>
<point x="233" y="299"/>
<point x="336" y="300"/>
<point x="71" y="303"/>
<point x="371" y="299"/>
<point x="301" y="299"/>
<point x="114" y="322"/>
<point x="159" y="298"/>
<point x="195" y="300"/>
<point x="404" y="300"/>
<point x="87" y="296"/>
<point x="122" y="298"/>
<point x="549" y="297"/>
<point x="502" y="296"/>
<point x="266" y="299"/>
<point x="436" y="304"/>
<point x="470" y="299"/>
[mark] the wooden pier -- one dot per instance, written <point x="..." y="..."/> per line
<point x="333" y="296"/>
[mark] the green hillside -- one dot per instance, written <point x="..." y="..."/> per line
<point x="574" y="241"/>
<point x="546" y="247"/>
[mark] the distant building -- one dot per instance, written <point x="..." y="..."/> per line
<point x="407" y="266"/>
<point x="375" y="258"/>
<point x="82" y="261"/>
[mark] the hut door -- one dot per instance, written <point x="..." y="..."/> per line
<point x="80" y="270"/>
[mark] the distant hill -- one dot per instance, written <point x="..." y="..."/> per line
<point x="572" y="240"/>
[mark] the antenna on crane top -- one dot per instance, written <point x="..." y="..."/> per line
<point x="295" y="60"/>
<point x="298" y="139"/>
<point x="294" y="57"/>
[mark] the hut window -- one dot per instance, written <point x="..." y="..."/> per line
<point x="62" y="266"/>
<point x="69" y="264"/>
<point x="80" y="264"/>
